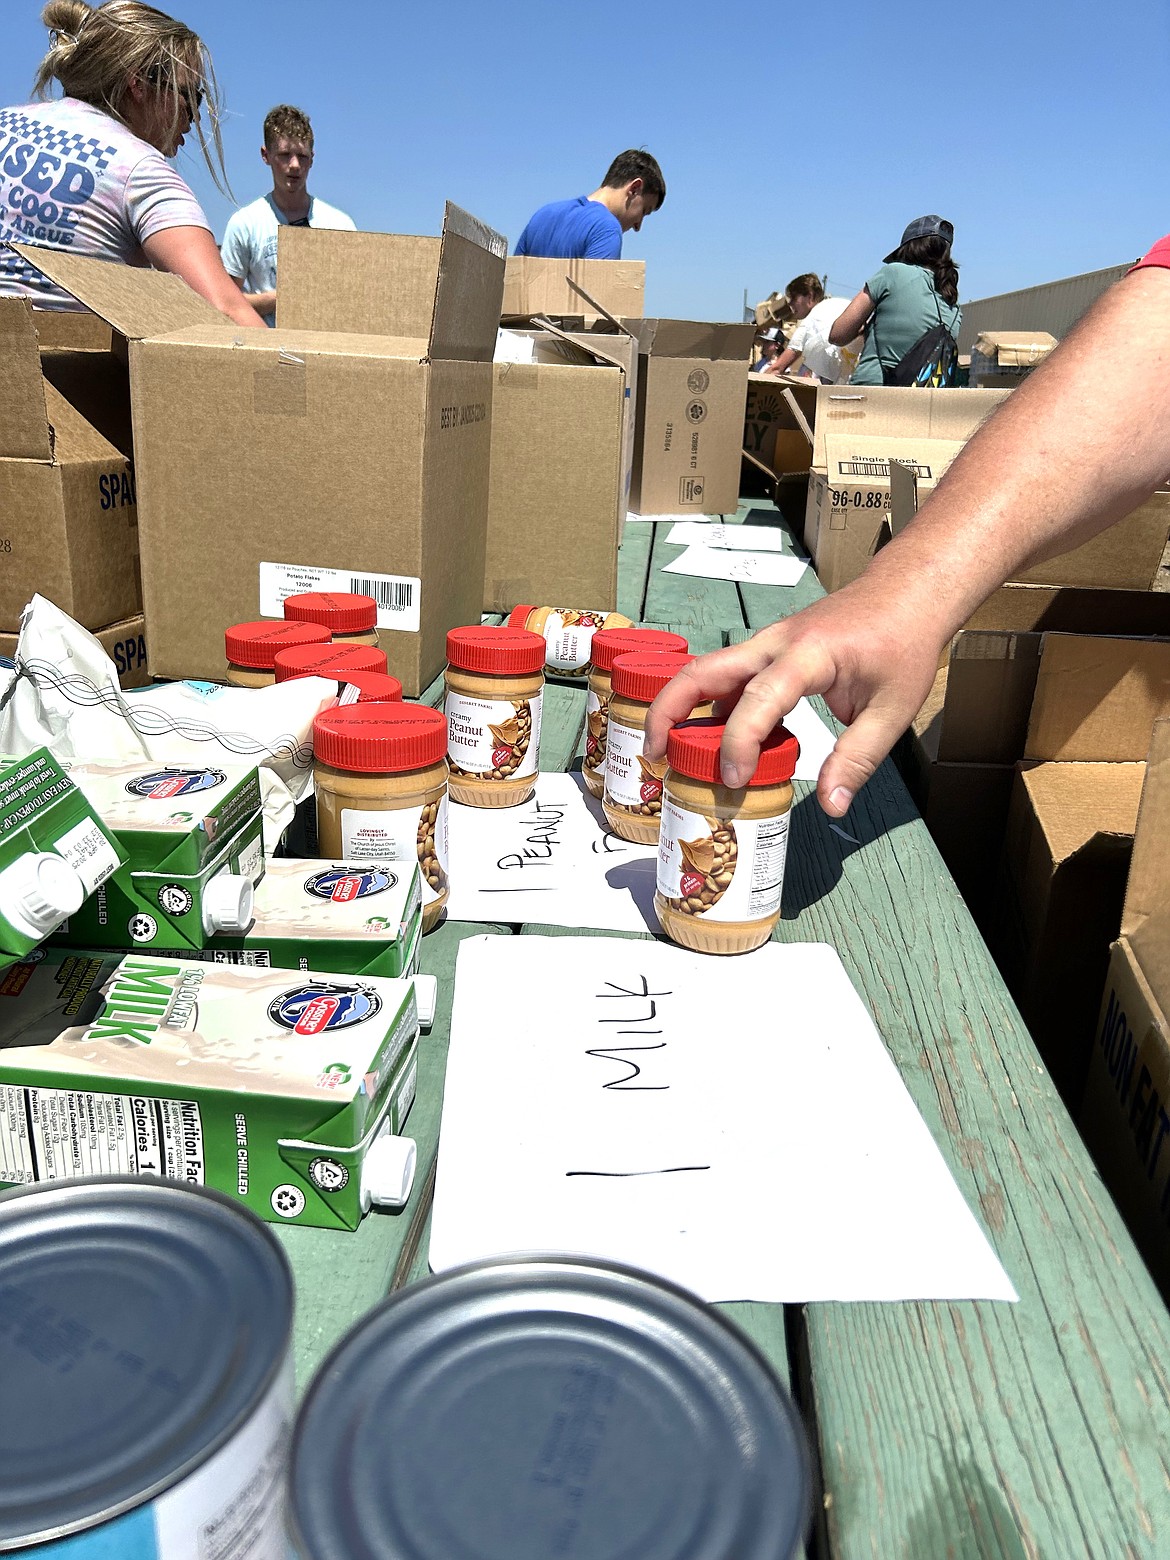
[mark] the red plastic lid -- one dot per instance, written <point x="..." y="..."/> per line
<point x="608" y="643"/>
<point x="340" y="612"/>
<point x="374" y="687"/>
<point x="256" y="644"/>
<point x="380" y="738"/>
<point x="643" y="677"/>
<point x="693" y="749"/>
<point x="327" y="661"/>
<point x="518" y="617"/>
<point x="500" y="650"/>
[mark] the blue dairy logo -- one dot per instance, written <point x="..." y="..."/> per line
<point x="320" y="1005"/>
<point x="343" y="884"/>
<point x="162" y="784"/>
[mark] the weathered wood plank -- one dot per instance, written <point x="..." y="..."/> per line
<point x="685" y="600"/>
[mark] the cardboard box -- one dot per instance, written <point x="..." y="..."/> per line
<point x="310" y="459"/>
<point x="1127" y="556"/>
<point x="68" y="516"/>
<point x="1004" y="357"/>
<point x="1071" y="609"/>
<point x="536" y="285"/>
<point x="1097" y="698"/>
<point x="778" y="422"/>
<point x="1066" y="859"/>
<point x="692" y="389"/>
<point x="1127" y="1094"/>
<point x="124" y="643"/>
<point x="557" y="493"/>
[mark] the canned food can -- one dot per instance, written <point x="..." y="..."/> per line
<point x="145" y="1332"/>
<point x="522" y="1408"/>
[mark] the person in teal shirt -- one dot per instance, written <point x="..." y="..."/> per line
<point x="915" y="289"/>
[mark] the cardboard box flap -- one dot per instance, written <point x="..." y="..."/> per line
<point x="375" y="284"/>
<point x="881" y="410"/>
<point x="1014" y="348"/>
<point x="137" y="302"/>
<point x="1146" y="919"/>
<point x="537" y="284"/>
<point x="74" y="438"/>
<point x="698" y="339"/>
<point x="1078" y="806"/>
<point x="576" y="348"/>
<point x="470" y="289"/>
<point x="24" y="423"/>
<point x="1098" y="698"/>
<point x="291" y="348"/>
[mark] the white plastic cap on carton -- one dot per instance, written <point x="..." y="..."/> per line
<point x="227" y="903"/>
<point x="38" y="891"/>
<point x="388" y="1171"/>
<point x="426" y="997"/>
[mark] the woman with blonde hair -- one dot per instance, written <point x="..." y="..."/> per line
<point x="88" y="173"/>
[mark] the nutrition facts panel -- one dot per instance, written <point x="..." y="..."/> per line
<point x="52" y="1134"/>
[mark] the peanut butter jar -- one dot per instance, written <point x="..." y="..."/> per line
<point x="333" y="660"/>
<point x="721" y="853"/>
<point x="632" y="797"/>
<point x="251" y="648"/>
<point x="607" y="646"/>
<point x="351" y="619"/>
<point x="568" y="634"/>
<point x="495" y="682"/>
<point x="380" y="772"/>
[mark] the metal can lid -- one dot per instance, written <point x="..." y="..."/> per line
<point x="141" y="1323"/>
<point x="524" y="1407"/>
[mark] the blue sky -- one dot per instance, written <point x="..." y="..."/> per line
<point x="792" y="138"/>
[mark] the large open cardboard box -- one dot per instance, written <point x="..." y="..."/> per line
<point x="778" y="422"/>
<point x="1126" y="1108"/>
<point x="692" y="388"/>
<point x="68" y="513"/>
<point x="295" y="459"/>
<point x="558" y="474"/>
<point x="536" y="285"/>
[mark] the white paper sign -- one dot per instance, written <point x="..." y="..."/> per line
<point x="751" y="568"/>
<point x="550" y="860"/>
<point x="815" y="738"/>
<point x="741" y="1131"/>
<point x="637" y="519"/>
<point x="740" y="538"/>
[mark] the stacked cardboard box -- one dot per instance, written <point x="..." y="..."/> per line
<point x="301" y="458"/>
<point x="1127" y="1094"/>
<point x="1001" y="358"/>
<point x="68" y="510"/>
<point x="1026" y="763"/>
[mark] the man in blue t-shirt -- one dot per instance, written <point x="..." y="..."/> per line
<point x="590" y="227"/>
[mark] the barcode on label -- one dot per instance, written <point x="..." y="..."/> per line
<point x="391" y="595"/>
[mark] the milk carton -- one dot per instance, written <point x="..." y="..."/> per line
<point x="285" y="1089"/>
<point x="194" y="838"/>
<point x="54" y="852"/>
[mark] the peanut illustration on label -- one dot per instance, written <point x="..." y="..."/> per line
<point x="650" y="790"/>
<point x="573" y="617"/>
<point x="708" y="867"/>
<point x="428" y="859"/>
<point x="596" y="731"/>
<point x="510" y="741"/>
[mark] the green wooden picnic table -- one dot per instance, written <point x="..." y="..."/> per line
<point x="984" y="1429"/>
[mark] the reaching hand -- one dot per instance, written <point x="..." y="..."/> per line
<point x="872" y="657"/>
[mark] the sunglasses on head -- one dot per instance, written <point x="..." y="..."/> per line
<point x="192" y="97"/>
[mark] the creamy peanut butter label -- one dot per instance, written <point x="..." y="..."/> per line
<point x="719" y="869"/>
<point x="492" y="739"/>
<point x="631" y="780"/>
<point x="401" y="834"/>
<point x="596" y="720"/>
<point x="568" y="634"/>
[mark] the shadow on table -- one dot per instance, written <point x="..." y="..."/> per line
<point x="819" y="846"/>
<point x="638" y="879"/>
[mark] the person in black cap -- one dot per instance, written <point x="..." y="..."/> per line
<point x="914" y="290"/>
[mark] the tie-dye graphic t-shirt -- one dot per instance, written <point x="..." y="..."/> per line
<point x="74" y="178"/>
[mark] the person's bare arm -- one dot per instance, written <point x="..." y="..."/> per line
<point x="263" y="302"/>
<point x="190" y="252"/>
<point x="1079" y="445"/>
<point x="781" y="364"/>
<point x="851" y="319"/>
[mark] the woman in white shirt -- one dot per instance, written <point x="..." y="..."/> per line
<point x="88" y="173"/>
